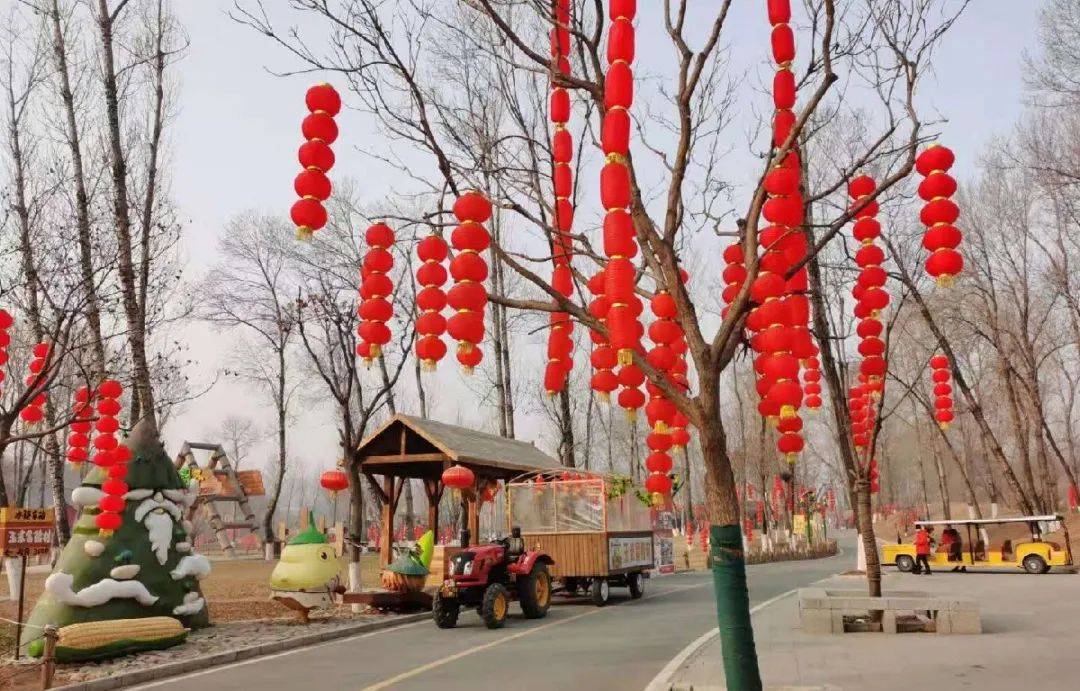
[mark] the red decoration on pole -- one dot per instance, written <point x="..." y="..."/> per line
<point x="6" y="322"/>
<point x="375" y="290"/>
<point x="469" y="270"/>
<point x="939" y="214"/>
<point x="869" y="290"/>
<point x="316" y="159"/>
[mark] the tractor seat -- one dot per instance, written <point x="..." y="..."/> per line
<point x="515" y="547"/>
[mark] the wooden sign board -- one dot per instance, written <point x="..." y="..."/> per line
<point x="26" y="532"/>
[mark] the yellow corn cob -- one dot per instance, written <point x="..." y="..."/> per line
<point x="93" y="634"/>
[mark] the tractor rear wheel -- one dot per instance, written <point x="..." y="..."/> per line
<point x="445" y="610"/>
<point x="494" y="606"/>
<point x="534" y="592"/>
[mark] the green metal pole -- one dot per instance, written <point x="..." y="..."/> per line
<point x="733" y="608"/>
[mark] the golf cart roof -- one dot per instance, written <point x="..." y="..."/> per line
<point x="988" y="521"/>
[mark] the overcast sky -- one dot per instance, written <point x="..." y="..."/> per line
<point x="238" y="129"/>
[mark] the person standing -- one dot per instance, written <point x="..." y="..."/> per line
<point x="923" y="541"/>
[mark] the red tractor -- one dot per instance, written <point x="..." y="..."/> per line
<point x="489" y="577"/>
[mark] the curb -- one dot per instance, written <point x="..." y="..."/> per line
<point x="173" y="669"/>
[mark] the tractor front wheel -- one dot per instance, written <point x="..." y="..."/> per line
<point x="494" y="606"/>
<point x="534" y="592"/>
<point x="445" y="610"/>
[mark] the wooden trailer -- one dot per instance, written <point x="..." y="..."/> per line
<point x="594" y="527"/>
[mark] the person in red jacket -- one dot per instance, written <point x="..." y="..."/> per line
<point x="923" y="542"/>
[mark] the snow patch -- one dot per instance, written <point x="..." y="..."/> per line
<point x="86" y="496"/>
<point x="192" y="565"/>
<point x="60" y="584"/>
<point x="93" y="548"/>
<point x="124" y="572"/>
<point x="192" y="604"/>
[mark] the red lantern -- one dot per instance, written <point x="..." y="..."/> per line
<point x="323" y="97"/>
<point x="334" y="481"/>
<point x="658" y="483"/>
<point x="458" y="477"/>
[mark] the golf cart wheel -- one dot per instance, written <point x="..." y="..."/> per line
<point x="600" y="591"/>
<point x="636" y="583"/>
<point x="905" y="563"/>
<point x="445" y="610"/>
<point x="495" y="605"/>
<point x="1033" y="563"/>
<point x="534" y="592"/>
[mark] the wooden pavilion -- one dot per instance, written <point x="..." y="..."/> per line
<point x="414" y="447"/>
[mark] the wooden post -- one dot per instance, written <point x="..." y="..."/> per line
<point x="48" y="658"/>
<point x="433" y="490"/>
<point x="386" y="544"/>
<point x="474" y="519"/>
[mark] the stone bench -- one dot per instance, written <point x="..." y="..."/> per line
<point x="822" y="610"/>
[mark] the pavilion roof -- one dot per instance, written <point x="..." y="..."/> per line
<point x="431" y="441"/>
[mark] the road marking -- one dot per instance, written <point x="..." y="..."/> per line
<point x="263" y="658"/>
<point x="662" y="681"/>
<point x="457" y="656"/>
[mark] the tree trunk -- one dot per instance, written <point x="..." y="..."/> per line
<point x="865" y="517"/>
<point x="82" y="199"/>
<point x="943" y="488"/>
<point x="566" y="430"/>
<point x="122" y="216"/>
<point x="726" y="556"/>
<point x="279" y="480"/>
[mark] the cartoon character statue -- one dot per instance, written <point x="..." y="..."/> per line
<point x="307" y="576"/>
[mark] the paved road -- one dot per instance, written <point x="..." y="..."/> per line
<point x="577" y="645"/>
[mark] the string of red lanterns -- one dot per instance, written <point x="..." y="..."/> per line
<point x="939" y="214"/>
<point x="376" y="287"/>
<point x="660" y="412"/>
<point x="603" y="358"/>
<point x="81" y="430"/>
<point x="779" y="319"/>
<point x="431" y="324"/>
<point x="943" y="402"/>
<point x="110" y="455"/>
<point x="560" y="343"/>
<point x="316" y="158"/>
<point x="34" y="411"/>
<point x="6" y="322"/>
<point x="468" y="297"/>
<point x="620" y="240"/>
<point x="869" y="290"/>
<point x="734" y="274"/>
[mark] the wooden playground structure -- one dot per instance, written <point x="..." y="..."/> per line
<point x="221" y="483"/>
